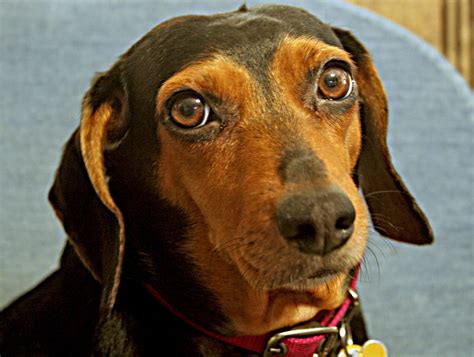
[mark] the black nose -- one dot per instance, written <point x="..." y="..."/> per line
<point x="316" y="221"/>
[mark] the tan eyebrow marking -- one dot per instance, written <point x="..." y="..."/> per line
<point x="220" y="76"/>
<point x="296" y="56"/>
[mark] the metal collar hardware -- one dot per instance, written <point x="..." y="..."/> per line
<point x="316" y="338"/>
<point x="341" y="333"/>
<point x="276" y="346"/>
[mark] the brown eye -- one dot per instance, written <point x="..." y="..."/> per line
<point x="335" y="83"/>
<point x="188" y="110"/>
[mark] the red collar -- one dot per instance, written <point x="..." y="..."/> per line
<point x="296" y="342"/>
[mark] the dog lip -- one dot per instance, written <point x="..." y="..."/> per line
<point x="323" y="274"/>
<point x="306" y="283"/>
<point x="302" y="282"/>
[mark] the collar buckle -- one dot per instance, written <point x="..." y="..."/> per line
<point x="276" y="346"/>
<point x="339" y="333"/>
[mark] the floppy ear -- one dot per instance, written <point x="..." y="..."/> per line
<point x="80" y="194"/>
<point x="394" y="212"/>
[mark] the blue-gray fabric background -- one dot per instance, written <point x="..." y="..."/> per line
<point x="418" y="300"/>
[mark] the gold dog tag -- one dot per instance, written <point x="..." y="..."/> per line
<point x="372" y="348"/>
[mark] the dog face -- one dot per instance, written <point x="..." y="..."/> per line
<point x="234" y="145"/>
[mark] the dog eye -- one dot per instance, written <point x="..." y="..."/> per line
<point x="335" y="83"/>
<point x="188" y="110"/>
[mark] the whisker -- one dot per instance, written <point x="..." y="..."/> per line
<point x="382" y="192"/>
<point x="367" y="268"/>
<point x="386" y="220"/>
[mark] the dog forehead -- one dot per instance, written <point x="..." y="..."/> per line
<point x="266" y="24"/>
<point x="250" y="37"/>
<point x="192" y="37"/>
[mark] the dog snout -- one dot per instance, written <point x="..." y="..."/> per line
<point x="316" y="221"/>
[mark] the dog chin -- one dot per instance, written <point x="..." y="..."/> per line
<point x="291" y="304"/>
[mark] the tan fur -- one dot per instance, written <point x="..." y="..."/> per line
<point x="297" y="56"/>
<point x="93" y="138"/>
<point x="230" y="187"/>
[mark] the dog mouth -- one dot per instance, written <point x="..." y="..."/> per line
<point x="300" y="276"/>
<point x="308" y="284"/>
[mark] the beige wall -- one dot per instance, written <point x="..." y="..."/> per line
<point x="446" y="24"/>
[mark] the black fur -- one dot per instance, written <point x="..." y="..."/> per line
<point x="301" y="165"/>
<point x="61" y="316"/>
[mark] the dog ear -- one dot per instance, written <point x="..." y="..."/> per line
<point x="80" y="194"/>
<point x="394" y="212"/>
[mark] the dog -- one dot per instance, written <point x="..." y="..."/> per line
<point x="216" y="191"/>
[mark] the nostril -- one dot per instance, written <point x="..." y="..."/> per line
<point x="304" y="231"/>
<point x="344" y="227"/>
<point x="346" y="221"/>
<point x="305" y="239"/>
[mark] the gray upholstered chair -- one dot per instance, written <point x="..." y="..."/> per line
<point x="417" y="299"/>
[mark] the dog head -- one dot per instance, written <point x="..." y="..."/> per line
<point x="223" y="156"/>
